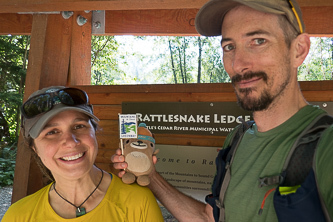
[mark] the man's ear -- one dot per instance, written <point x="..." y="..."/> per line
<point x="301" y="46"/>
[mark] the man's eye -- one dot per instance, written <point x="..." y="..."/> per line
<point x="228" y="48"/>
<point x="259" y="41"/>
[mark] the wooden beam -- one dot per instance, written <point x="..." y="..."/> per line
<point x="80" y="56"/>
<point x="151" y="22"/>
<point x="15" y="24"/>
<point x="24" y="165"/>
<point x="56" y="51"/>
<point x="14" y="6"/>
<point x="318" y="22"/>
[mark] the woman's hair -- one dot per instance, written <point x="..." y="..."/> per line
<point x="29" y="142"/>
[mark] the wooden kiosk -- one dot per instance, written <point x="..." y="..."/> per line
<point x="60" y="54"/>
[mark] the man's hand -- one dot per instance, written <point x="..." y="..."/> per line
<point x="119" y="163"/>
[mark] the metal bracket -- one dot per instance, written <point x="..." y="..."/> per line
<point x="328" y="106"/>
<point x="98" y="22"/>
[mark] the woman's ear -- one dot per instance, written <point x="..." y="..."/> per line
<point x="33" y="147"/>
<point x="301" y="46"/>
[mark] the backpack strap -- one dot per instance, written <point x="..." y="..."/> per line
<point x="235" y="141"/>
<point x="324" y="208"/>
<point x="300" y="158"/>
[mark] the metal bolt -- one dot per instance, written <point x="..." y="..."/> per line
<point x="81" y="20"/>
<point x="97" y="25"/>
<point x="67" y="14"/>
<point x="324" y="105"/>
<point x="211" y="104"/>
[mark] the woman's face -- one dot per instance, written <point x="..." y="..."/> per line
<point x="67" y="145"/>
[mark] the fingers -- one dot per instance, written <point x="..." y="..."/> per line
<point x="118" y="160"/>
<point x="117" y="157"/>
<point x="121" y="173"/>
<point x="154" y="159"/>
<point x="120" y="166"/>
<point x="118" y="151"/>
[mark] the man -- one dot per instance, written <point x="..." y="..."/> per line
<point x="263" y="44"/>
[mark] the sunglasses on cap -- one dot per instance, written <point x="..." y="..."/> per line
<point x="43" y="103"/>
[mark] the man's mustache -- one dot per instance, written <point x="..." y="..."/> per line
<point x="249" y="75"/>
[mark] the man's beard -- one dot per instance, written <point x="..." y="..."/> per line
<point x="254" y="104"/>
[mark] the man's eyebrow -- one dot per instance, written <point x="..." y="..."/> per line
<point x="258" y="32"/>
<point x="225" y="40"/>
<point x="249" y="34"/>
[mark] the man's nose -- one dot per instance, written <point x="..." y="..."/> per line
<point x="241" y="61"/>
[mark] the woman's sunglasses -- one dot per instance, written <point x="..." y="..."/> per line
<point x="44" y="102"/>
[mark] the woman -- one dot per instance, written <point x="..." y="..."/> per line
<point x="59" y="126"/>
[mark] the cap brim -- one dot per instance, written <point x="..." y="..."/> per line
<point x="40" y="124"/>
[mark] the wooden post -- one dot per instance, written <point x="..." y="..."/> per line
<point x="80" y="58"/>
<point x="51" y="51"/>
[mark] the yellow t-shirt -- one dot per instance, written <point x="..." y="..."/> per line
<point x="122" y="202"/>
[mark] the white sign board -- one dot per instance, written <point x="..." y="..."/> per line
<point x="190" y="169"/>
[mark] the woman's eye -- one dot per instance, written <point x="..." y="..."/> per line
<point x="79" y="126"/>
<point x="52" y="132"/>
<point x="259" y="41"/>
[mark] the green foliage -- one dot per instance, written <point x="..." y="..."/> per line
<point x="7" y="165"/>
<point x="13" y="62"/>
<point x="163" y="59"/>
<point x="319" y="63"/>
<point x="214" y="71"/>
<point x="174" y="60"/>
<point x="104" y="61"/>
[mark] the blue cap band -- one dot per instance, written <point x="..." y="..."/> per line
<point x="149" y="138"/>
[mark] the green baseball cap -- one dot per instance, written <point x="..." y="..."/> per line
<point x="208" y="21"/>
<point x="33" y="126"/>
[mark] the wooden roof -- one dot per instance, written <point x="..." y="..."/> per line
<point x="144" y="17"/>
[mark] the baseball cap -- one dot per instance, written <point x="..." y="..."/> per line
<point x="33" y="126"/>
<point x="208" y="21"/>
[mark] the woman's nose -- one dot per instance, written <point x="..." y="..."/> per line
<point x="70" y="139"/>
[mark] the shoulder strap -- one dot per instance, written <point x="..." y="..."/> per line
<point x="300" y="158"/>
<point x="235" y="141"/>
<point x="303" y="150"/>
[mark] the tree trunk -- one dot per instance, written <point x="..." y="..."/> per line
<point x="181" y="65"/>
<point x="184" y="59"/>
<point x="172" y="64"/>
<point x="199" y="60"/>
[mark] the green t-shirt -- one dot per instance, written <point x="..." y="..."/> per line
<point x="262" y="154"/>
<point x="122" y="202"/>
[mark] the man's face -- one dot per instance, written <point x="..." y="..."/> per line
<point x="256" y="57"/>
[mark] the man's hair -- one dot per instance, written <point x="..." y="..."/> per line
<point x="290" y="33"/>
